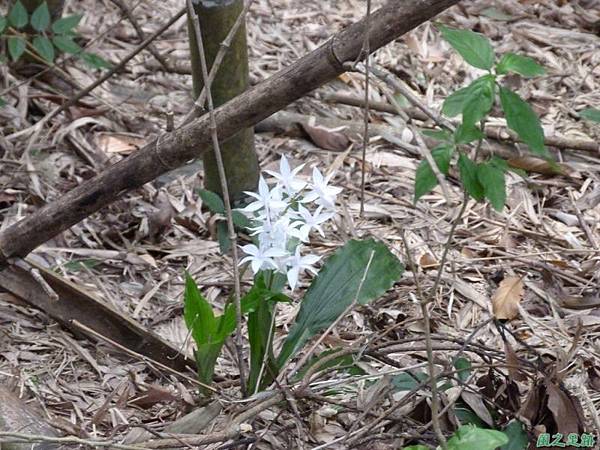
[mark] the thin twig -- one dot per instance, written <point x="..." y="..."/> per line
<point x="435" y="406"/>
<point x="367" y="50"/>
<point x="9" y="436"/>
<point x="226" y="200"/>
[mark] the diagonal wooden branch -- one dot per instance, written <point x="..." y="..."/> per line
<point x="392" y="20"/>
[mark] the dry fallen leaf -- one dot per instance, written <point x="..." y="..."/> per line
<point x="539" y="165"/>
<point x="506" y="299"/>
<point x="326" y="138"/>
<point x="427" y="261"/>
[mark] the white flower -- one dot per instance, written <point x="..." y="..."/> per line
<point x="286" y="177"/>
<point x="261" y="258"/>
<point x="297" y="263"/>
<point x="309" y="221"/>
<point x="323" y="194"/>
<point x="265" y="199"/>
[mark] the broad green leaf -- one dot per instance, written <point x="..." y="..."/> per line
<point x="95" y="61"/>
<point x="523" y="65"/>
<point x="17" y="15"/>
<point x="463" y="367"/>
<point x="206" y="358"/>
<point x="466" y="416"/>
<point x="473" y="47"/>
<point x="66" y="44"/>
<point x="440" y="135"/>
<point x="465" y="134"/>
<point x="523" y="120"/>
<point x="479" y="102"/>
<point x="3" y="23"/>
<point x="198" y="313"/>
<point x="456" y="102"/>
<point x="212" y="200"/>
<point x="66" y="24"/>
<point x="468" y="176"/>
<point x="407" y="382"/>
<point x="44" y="48"/>
<point x="425" y="179"/>
<point x="16" y="47"/>
<point x="240" y="220"/>
<point x="40" y="19"/>
<point x="336" y="287"/>
<point x="469" y="437"/>
<point x="592" y="114"/>
<point x="494" y="184"/>
<point x="517" y="436"/>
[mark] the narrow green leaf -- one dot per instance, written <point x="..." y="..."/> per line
<point x="198" y="313"/>
<point x="425" y="179"/>
<point x="473" y="47"/>
<point x="336" y="287"/>
<point x="592" y="114"/>
<point x="44" y="48"/>
<point x="2" y="102"/>
<point x="95" y="61"/>
<point x="3" y="23"/>
<point x="40" y="19"/>
<point x="494" y="184"/>
<point x="408" y="381"/>
<point x="212" y="200"/>
<point x="17" y="15"/>
<point x="65" y="44"/>
<point x="16" y="47"/>
<point x="523" y="120"/>
<point x="468" y="176"/>
<point x="206" y="358"/>
<point x="523" y="65"/>
<point x="345" y="362"/>
<point x="66" y="24"/>
<point x="517" y="436"/>
<point x="261" y="345"/>
<point x="223" y="237"/>
<point x="469" y="437"/>
<point x="465" y="134"/>
<point x="463" y="367"/>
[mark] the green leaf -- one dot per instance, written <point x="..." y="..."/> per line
<point x="592" y="114"/>
<point x="494" y="185"/>
<point x="17" y="15"/>
<point x="261" y="346"/>
<point x="212" y="200"/>
<point x="198" y="313"/>
<point x="95" y="61"/>
<point x="343" y="362"/>
<point x="66" y="24"/>
<point x="440" y="135"/>
<point x="66" y="44"/>
<point x="40" y="19"/>
<point x="240" y="220"/>
<point x="336" y="287"/>
<point x="44" y="48"/>
<point x="523" y="65"/>
<point x="466" y="416"/>
<point x="522" y="119"/>
<point x="473" y="47"/>
<point x="463" y="367"/>
<point x="2" y="102"/>
<point x="416" y="447"/>
<point x="456" y="102"/>
<point x="469" y="437"/>
<point x="425" y="179"/>
<point x="223" y="237"/>
<point x="407" y="381"/>
<point x="16" y="47"/>
<point x="468" y="176"/>
<point x="479" y="102"/>
<point x="465" y="134"/>
<point x="517" y="436"/>
<point x="3" y="23"/>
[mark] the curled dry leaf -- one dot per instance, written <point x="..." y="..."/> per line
<point x="427" y="261"/>
<point x="513" y="364"/>
<point x="328" y="139"/>
<point x="506" y="299"/>
<point x="539" y="165"/>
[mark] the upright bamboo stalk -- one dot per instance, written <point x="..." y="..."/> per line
<point x="239" y="157"/>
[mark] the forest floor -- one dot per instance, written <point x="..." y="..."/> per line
<point x="133" y="254"/>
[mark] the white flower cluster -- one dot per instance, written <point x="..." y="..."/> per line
<point x="284" y="216"/>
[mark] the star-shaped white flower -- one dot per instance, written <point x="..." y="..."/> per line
<point x="287" y="177"/>
<point x="321" y="193"/>
<point x="297" y="263"/>
<point x="265" y="198"/>
<point x="261" y="258"/>
<point x="310" y="221"/>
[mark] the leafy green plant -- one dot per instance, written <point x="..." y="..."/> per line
<point x="481" y="179"/>
<point x="470" y="437"/>
<point x="357" y="273"/>
<point x="37" y="35"/>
